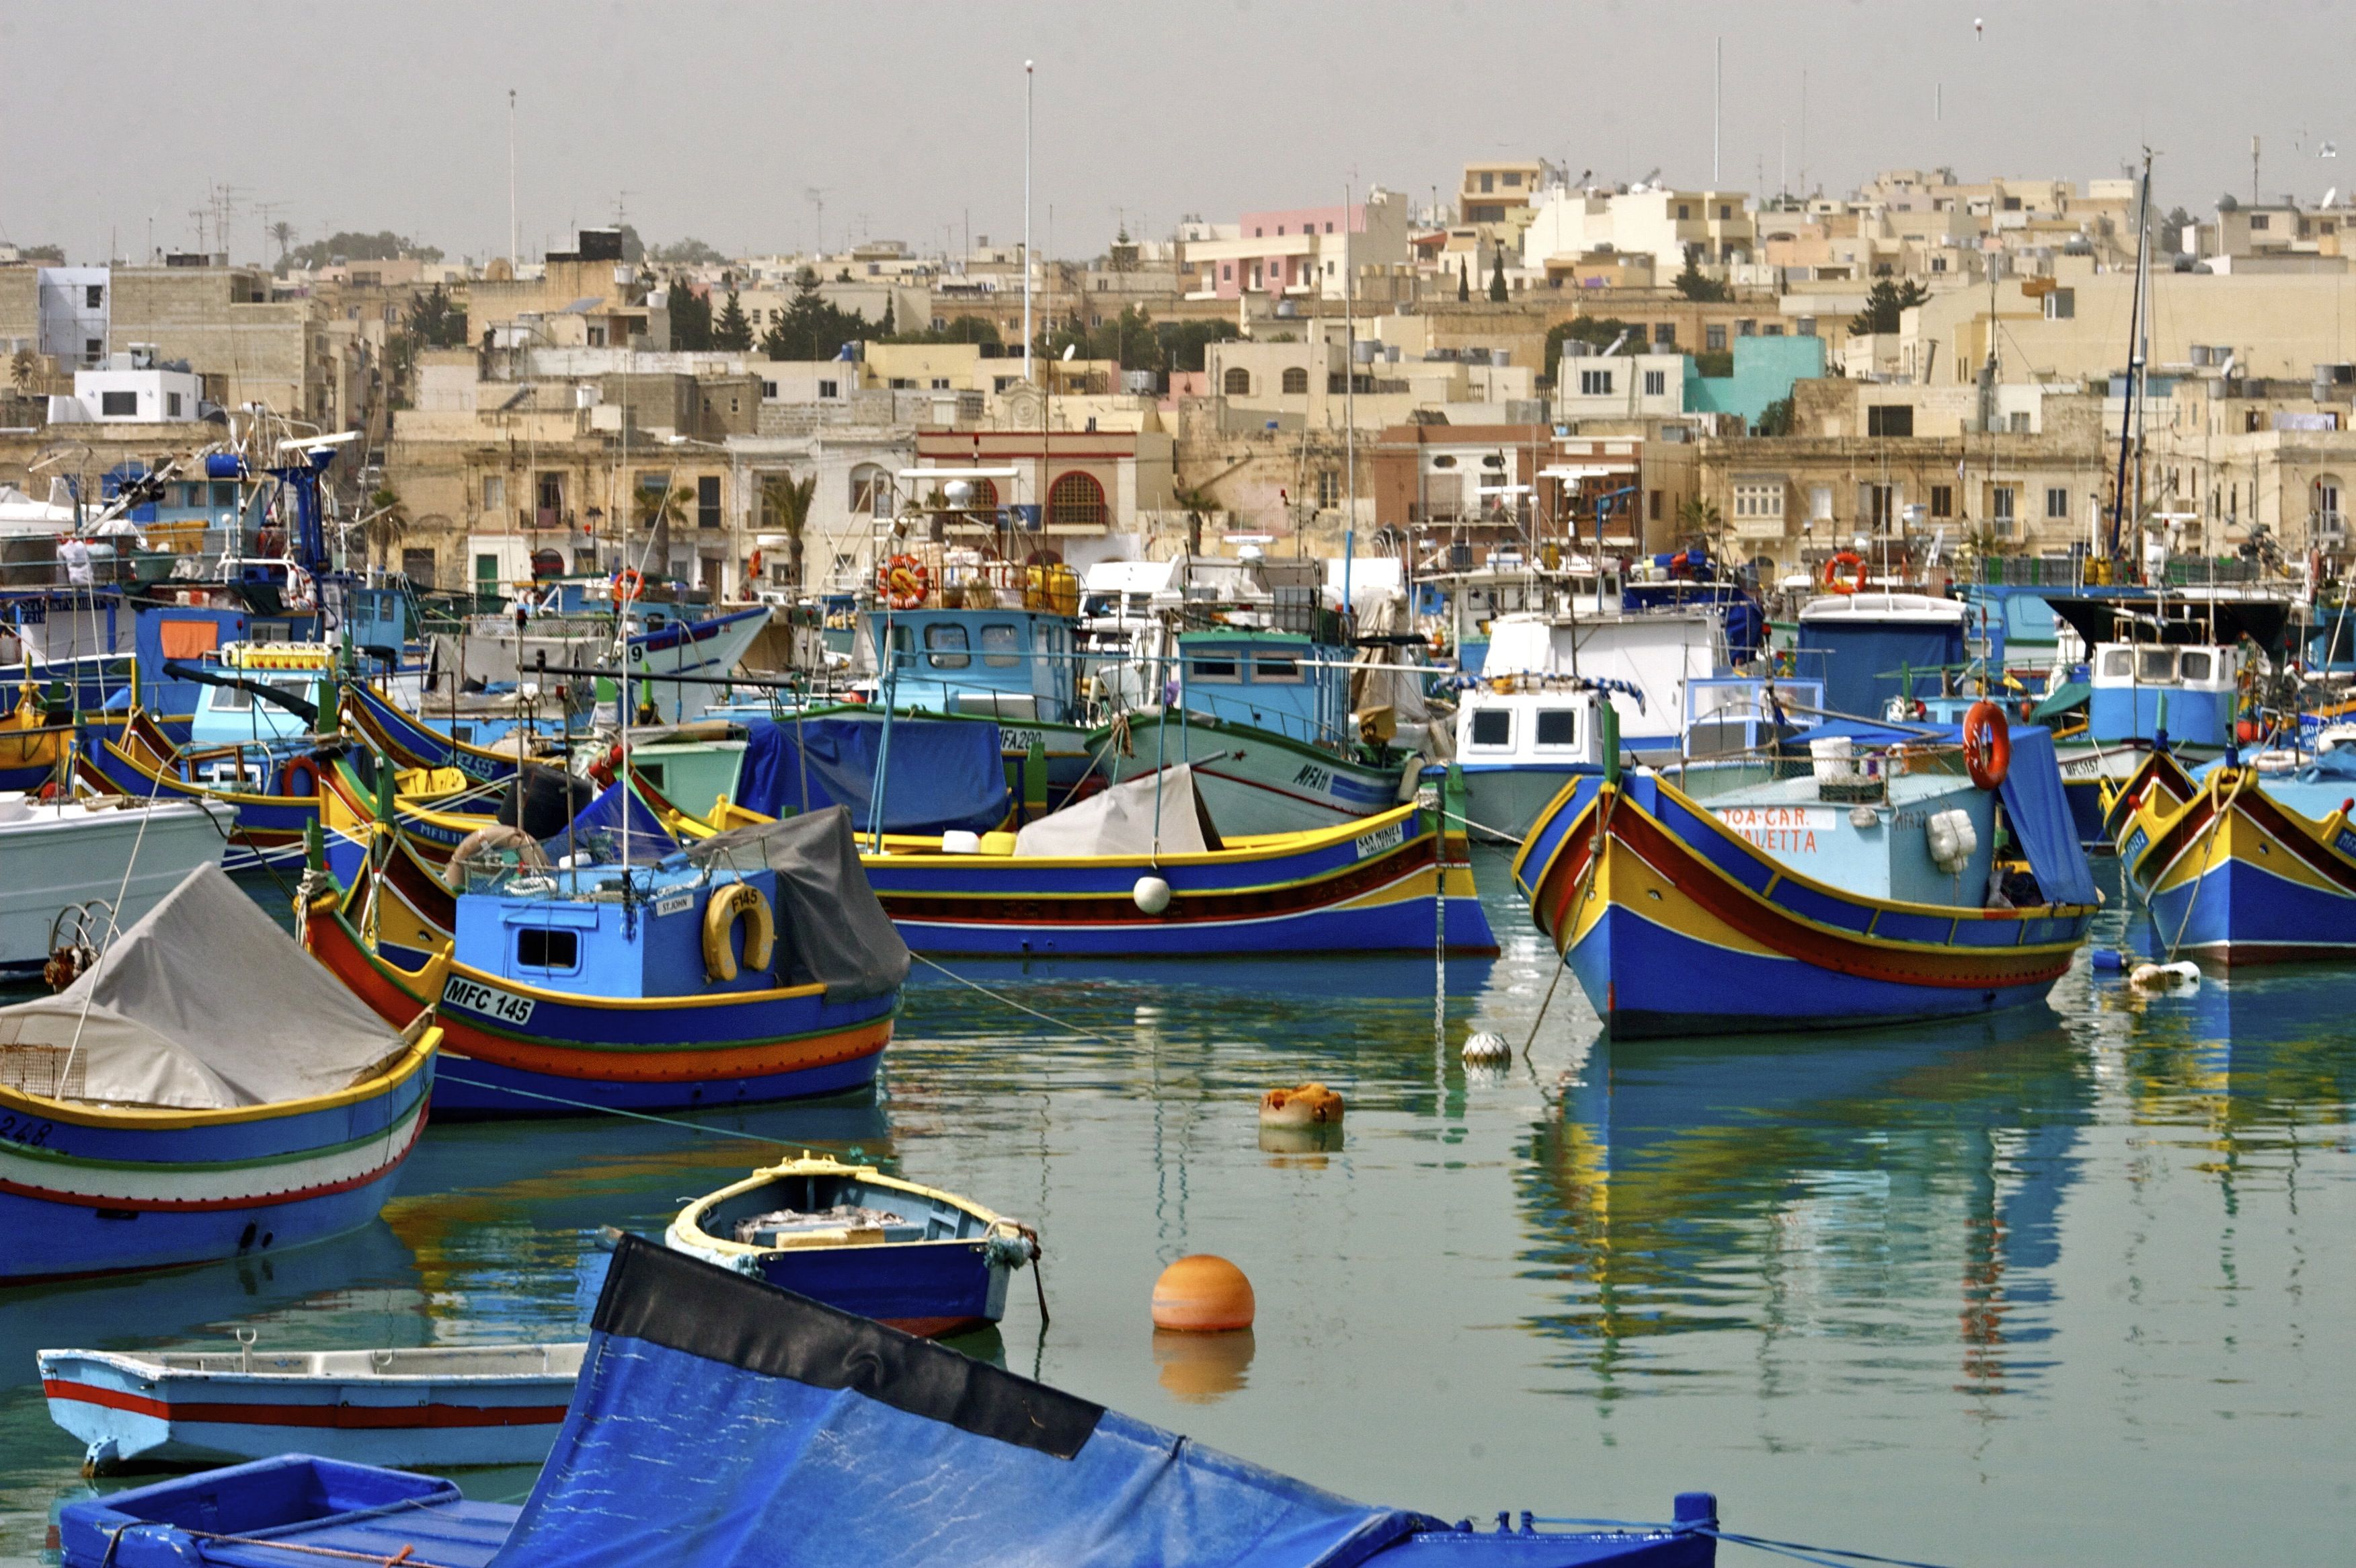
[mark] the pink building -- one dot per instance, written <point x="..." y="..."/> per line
<point x="1299" y="251"/>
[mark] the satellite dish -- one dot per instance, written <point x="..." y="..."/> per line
<point x="1069" y="349"/>
<point x="2333" y="194"/>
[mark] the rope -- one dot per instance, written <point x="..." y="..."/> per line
<point x="1020" y="1008"/>
<point x="611" y="1109"/>
<point x="2208" y="847"/>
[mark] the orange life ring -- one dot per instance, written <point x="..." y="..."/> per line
<point x="307" y="771"/>
<point x="629" y="584"/>
<point x="1988" y="745"/>
<point x="904" y="581"/>
<point x="1856" y="564"/>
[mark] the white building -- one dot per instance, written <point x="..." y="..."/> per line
<point x="1650" y="219"/>
<point x="132" y="389"/>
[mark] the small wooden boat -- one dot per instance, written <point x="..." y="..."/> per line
<point x="2248" y="867"/>
<point x="1859" y="891"/>
<point x="31" y="744"/>
<point x="927" y="1261"/>
<point x="436" y="1406"/>
<point x="415" y="742"/>
<point x="1118" y="875"/>
<point x="2158" y="776"/>
<point x="202" y="1092"/>
<point x="719" y="1420"/>
<point x="273" y="791"/>
<point x="751" y="971"/>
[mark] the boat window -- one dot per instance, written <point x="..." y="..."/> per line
<point x="539" y="948"/>
<point x="1001" y="646"/>
<point x="2197" y="665"/>
<point x="1275" y="668"/>
<point x="1493" y="726"/>
<point x="1557" y="726"/>
<point x="2118" y="664"/>
<point x="1211" y="667"/>
<point x="231" y="699"/>
<point x="2156" y="664"/>
<point x="950" y="640"/>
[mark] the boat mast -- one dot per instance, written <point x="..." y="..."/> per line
<point x="2134" y="363"/>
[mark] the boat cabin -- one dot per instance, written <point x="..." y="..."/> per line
<point x="572" y="931"/>
<point x="1875" y="824"/>
<point x="2176" y="666"/>
<point x="1012" y="664"/>
<point x="1869" y="648"/>
<point x="1276" y="680"/>
<point x="1539" y="722"/>
<point x="1645" y="659"/>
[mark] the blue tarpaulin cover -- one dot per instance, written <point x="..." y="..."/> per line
<point x="1861" y="663"/>
<point x="2040" y="812"/>
<point x="943" y="773"/>
<point x="600" y="821"/>
<point x="759" y="1427"/>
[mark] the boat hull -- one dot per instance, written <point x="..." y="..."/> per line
<point x="1502" y="803"/>
<point x="55" y="857"/>
<point x="1253" y="780"/>
<point x="128" y="1414"/>
<point x="2235" y="877"/>
<point x="1343" y="890"/>
<point x="1679" y="927"/>
<point x="515" y="1050"/>
<point x="930" y="1289"/>
<point x="91" y="1192"/>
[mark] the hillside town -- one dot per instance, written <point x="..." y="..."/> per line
<point x="1941" y="368"/>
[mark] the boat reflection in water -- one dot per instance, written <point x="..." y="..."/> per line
<point x="1788" y="1183"/>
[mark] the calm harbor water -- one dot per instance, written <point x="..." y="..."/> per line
<point x="2070" y="1286"/>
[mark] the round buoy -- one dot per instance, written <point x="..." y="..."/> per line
<point x="1152" y="894"/>
<point x="1201" y="1294"/>
<point x="1306" y="1106"/>
<point x="1488" y="1047"/>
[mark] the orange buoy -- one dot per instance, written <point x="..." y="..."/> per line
<point x="1201" y="1294"/>
<point x="1306" y="1106"/>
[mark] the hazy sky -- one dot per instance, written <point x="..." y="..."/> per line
<point x="717" y="119"/>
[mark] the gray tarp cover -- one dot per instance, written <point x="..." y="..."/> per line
<point x="1121" y="820"/>
<point x="836" y="932"/>
<point x="206" y="1005"/>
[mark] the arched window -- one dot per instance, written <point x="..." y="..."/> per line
<point x="1076" y="501"/>
<point x="1296" y="380"/>
<point x="871" y="491"/>
<point x="1237" y="381"/>
<point x="984" y="496"/>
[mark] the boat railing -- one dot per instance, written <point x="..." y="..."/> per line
<point x="1861" y="776"/>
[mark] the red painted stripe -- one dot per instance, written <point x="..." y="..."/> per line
<point x="209" y="1205"/>
<point x="339" y="1417"/>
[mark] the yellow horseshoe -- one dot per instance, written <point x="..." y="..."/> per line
<point x="720" y="916"/>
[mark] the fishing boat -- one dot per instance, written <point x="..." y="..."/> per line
<point x="436" y="1405"/>
<point x="926" y="1262"/>
<point x="32" y="742"/>
<point x="202" y="1091"/>
<point x="1837" y="890"/>
<point x="1140" y="870"/>
<point x="2248" y="865"/>
<point x="783" y="1431"/>
<point x="635" y="977"/>
<point x="71" y="870"/>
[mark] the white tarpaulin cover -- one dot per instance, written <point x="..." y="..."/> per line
<point x="1120" y="819"/>
<point x="204" y="1004"/>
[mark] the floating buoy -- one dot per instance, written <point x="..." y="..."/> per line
<point x="2163" y="976"/>
<point x="1302" y="1107"/>
<point x="1488" y="1047"/>
<point x="1202" y="1367"/>
<point x="2109" y="960"/>
<point x="1201" y="1294"/>
<point x="1152" y="894"/>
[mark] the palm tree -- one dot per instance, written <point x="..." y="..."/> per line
<point x="787" y="501"/>
<point x="384" y="526"/>
<point x="1697" y="516"/>
<point x="284" y="232"/>
<point x="657" y="510"/>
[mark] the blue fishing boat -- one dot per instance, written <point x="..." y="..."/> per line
<point x="633" y="975"/>
<point x="202" y="1092"/>
<point x="787" y="1433"/>
<point x="2248" y="865"/>
<point x="928" y="1263"/>
<point x="1840" y="890"/>
<point x="1139" y="871"/>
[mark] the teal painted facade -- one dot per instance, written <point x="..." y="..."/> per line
<point x="1764" y="369"/>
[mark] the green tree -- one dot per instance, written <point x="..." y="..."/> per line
<point x="1463" y="280"/>
<point x="284" y="232"/>
<point x="1884" y="306"/>
<point x="732" y="331"/>
<point x="1691" y="283"/>
<point x="1775" y="419"/>
<point x="688" y="253"/>
<point x="1181" y="343"/>
<point x="381" y="246"/>
<point x="1601" y="331"/>
<point x="436" y="321"/>
<point x="634" y="249"/>
<point x="1497" y="279"/>
<point x="1698" y="519"/>
<point x="691" y="317"/>
<point x="812" y="327"/>
<point x="788" y="502"/>
<point x="961" y="329"/>
<point x="384" y="525"/>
